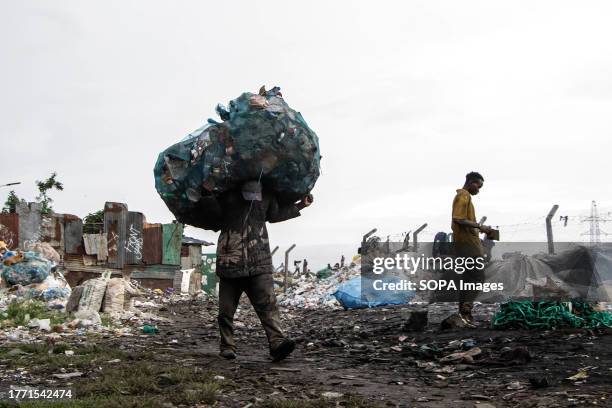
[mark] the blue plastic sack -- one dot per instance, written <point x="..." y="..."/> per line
<point x="260" y="138"/>
<point x="350" y="296"/>
<point x="33" y="269"/>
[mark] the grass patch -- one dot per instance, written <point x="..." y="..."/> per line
<point x="98" y="402"/>
<point x="177" y="384"/>
<point x="106" y="320"/>
<point x="137" y="380"/>
<point x="20" y="312"/>
<point x="44" y="358"/>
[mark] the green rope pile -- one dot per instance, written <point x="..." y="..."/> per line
<point x="549" y="315"/>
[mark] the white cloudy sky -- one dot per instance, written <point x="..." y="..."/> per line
<point x="406" y="97"/>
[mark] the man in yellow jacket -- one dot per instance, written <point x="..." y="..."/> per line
<point x="466" y="240"/>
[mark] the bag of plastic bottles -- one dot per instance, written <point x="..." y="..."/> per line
<point x="260" y="138"/>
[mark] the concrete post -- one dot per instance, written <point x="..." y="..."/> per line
<point x="549" y="234"/>
<point x="287" y="266"/>
<point x="415" y="236"/>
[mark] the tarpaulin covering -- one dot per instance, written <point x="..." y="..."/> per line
<point x="351" y="296"/>
<point x="581" y="272"/>
<point x="260" y="138"/>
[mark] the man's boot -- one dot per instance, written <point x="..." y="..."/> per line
<point x="283" y="350"/>
<point x="465" y="311"/>
<point x="227" y="354"/>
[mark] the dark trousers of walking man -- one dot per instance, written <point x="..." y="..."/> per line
<point x="244" y="263"/>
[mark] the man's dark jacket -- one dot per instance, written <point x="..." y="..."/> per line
<point x="243" y="249"/>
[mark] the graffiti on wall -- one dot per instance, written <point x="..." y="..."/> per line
<point x="134" y="242"/>
<point x="7" y="236"/>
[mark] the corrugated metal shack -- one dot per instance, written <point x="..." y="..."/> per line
<point x="126" y="244"/>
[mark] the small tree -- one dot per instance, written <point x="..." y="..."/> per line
<point x="43" y="188"/>
<point x="11" y="202"/>
<point x="93" y="222"/>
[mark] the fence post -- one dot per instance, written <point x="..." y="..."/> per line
<point x="287" y="266"/>
<point x="549" y="233"/>
<point x="415" y="236"/>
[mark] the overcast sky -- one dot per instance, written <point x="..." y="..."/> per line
<point x="406" y="98"/>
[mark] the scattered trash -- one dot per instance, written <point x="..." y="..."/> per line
<point x="515" y="385"/>
<point x="66" y="376"/>
<point x="147" y="329"/>
<point x="462" y="356"/>
<point x="332" y="395"/>
<point x="580" y="375"/>
<point x="91" y="317"/>
<point x="40" y="324"/>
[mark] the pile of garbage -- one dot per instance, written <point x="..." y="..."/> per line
<point x="260" y="138"/>
<point x="311" y="292"/>
<point x="338" y="287"/>
<point x="32" y="274"/>
<point x="36" y="300"/>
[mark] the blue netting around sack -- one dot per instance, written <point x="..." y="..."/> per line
<point x="260" y="137"/>
<point x="33" y="269"/>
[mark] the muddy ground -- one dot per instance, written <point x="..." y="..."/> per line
<point x="364" y="358"/>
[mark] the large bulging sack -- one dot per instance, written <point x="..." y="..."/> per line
<point x="43" y="249"/>
<point x="93" y="293"/>
<point x="260" y="138"/>
<point x="32" y="269"/>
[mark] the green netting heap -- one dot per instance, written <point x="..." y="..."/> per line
<point x="550" y="315"/>
<point x="260" y="138"/>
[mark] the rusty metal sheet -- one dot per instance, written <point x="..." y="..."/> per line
<point x="152" y="248"/>
<point x="9" y="229"/>
<point x="73" y="235"/>
<point x="171" y="241"/>
<point x="115" y="220"/>
<point x="134" y="240"/>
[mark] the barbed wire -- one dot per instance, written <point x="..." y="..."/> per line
<point x="528" y="225"/>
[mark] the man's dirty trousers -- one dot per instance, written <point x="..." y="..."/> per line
<point x="467" y="297"/>
<point x="260" y="291"/>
